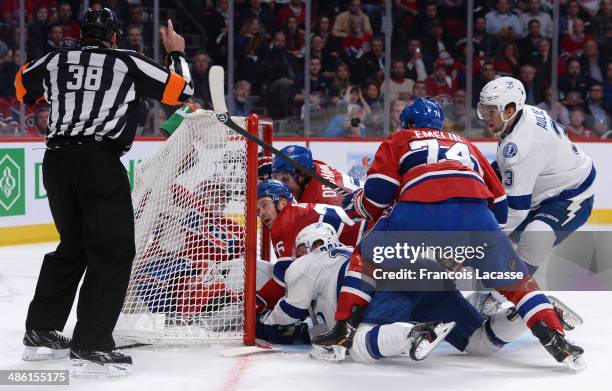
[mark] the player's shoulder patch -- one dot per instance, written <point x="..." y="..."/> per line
<point x="510" y="150"/>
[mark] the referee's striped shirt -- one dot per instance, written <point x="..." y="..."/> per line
<point x="94" y="90"/>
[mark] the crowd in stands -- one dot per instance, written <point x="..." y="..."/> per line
<point x="346" y="69"/>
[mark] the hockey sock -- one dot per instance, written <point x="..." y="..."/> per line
<point x="495" y="332"/>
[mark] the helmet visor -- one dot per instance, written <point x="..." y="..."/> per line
<point x="486" y="112"/>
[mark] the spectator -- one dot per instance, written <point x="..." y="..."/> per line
<point x="456" y="111"/>
<point x="577" y="128"/>
<point x="415" y="66"/>
<point x="199" y="75"/>
<point x="487" y="73"/>
<point x="542" y="62"/>
<point x="321" y="88"/>
<point x="566" y="24"/>
<point x="399" y="86"/>
<point x="72" y="28"/>
<point x="533" y="85"/>
<point x="329" y="62"/>
<point x="562" y="113"/>
<point x="424" y="24"/>
<point x="572" y="44"/>
<point x="602" y="22"/>
<point x="535" y="13"/>
<point x="528" y="46"/>
<point x="484" y="39"/>
<point x="347" y="125"/>
<point x="440" y="85"/>
<point x="41" y="120"/>
<point x="37" y="31"/>
<point x="437" y="45"/>
<point x="599" y="118"/>
<point x="502" y="23"/>
<point x="254" y="8"/>
<point x="296" y="9"/>
<point x="341" y="78"/>
<point x="8" y="69"/>
<point x="506" y="61"/>
<point x="419" y="90"/>
<point x="215" y="26"/>
<point x="354" y="96"/>
<point x="238" y="102"/>
<point x="323" y="29"/>
<point x="134" y="40"/>
<point x="56" y="38"/>
<point x="573" y="81"/>
<point x="397" y="106"/>
<point x="280" y="74"/>
<point x="607" y="88"/>
<point x="342" y="26"/>
<point x="371" y="66"/>
<point x="251" y="48"/>
<point x="149" y="129"/>
<point x="294" y="37"/>
<point x="357" y="43"/>
<point x="373" y="96"/>
<point x="589" y="61"/>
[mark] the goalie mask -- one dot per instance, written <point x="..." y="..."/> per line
<point x="314" y="236"/>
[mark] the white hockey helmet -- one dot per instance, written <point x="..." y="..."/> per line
<point x="312" y="233"/>
<point x="501" y="92"/>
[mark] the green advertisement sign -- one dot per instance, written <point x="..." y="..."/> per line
<point x="12" y="182"/>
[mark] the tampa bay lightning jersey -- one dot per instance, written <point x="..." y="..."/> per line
<point x="538" y="163"/>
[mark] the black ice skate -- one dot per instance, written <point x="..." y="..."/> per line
<point x="332" y="346"/>
<point x="558" y="347"/>
<point x="100" y="363"/>
<point x="424" y="337"/>
<point x="45" y="345"/>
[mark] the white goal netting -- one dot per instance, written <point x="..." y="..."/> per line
<point x="187" y="278"/>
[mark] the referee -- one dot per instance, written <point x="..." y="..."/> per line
<point x="94" y="93"/>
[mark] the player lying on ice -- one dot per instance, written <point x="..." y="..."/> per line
<point x="548" y="179"/>
<point x="440" y="182"/>
<point x="193" y="278"/>
<point x="302" y="186"/>
<point x="285" y="218"/>
<point x="313" y="282"/>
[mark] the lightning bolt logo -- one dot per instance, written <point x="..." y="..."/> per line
<point x="572" y="209"/>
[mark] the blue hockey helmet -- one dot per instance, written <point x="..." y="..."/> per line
<point x="423" y="113"/>
<point x="274" y="189"/>
<point x="298" y="153"/>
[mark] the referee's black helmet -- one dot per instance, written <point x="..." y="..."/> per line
<point x="101" y="24"/>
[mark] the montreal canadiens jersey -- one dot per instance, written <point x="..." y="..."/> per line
<point x="316" y="193"/>
<point x="427" y="165"/>
<point x="313" y="282"/>
<point x="288" y="224"/>
<point x="538" y="163"/>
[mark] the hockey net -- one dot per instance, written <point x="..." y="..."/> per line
<point x="196" y="237"/>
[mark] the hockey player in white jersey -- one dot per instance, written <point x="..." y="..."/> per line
<point x="313" y="281"/>
<point x="548" y="179"/>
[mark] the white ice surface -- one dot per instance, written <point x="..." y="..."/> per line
<point x="522" y="365"/>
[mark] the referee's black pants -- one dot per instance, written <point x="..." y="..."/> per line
<point x="89" y="196"/>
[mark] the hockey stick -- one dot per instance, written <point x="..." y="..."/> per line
<point x="215" y="80"/>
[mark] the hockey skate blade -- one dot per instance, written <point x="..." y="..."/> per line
<point x="85" y="368"/>
<point x="334" y="353"/>
<point x="570" y="316"/>
<point x="575" y="363"/>
<point x="33" y="353"/>
<point x="425" y="347"/>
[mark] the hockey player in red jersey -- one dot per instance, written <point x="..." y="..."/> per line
<point x="437" y="182"/>
<point x="285" y="218"/>
<point x="192" y="279"/>
<point x="302" y="186"/>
